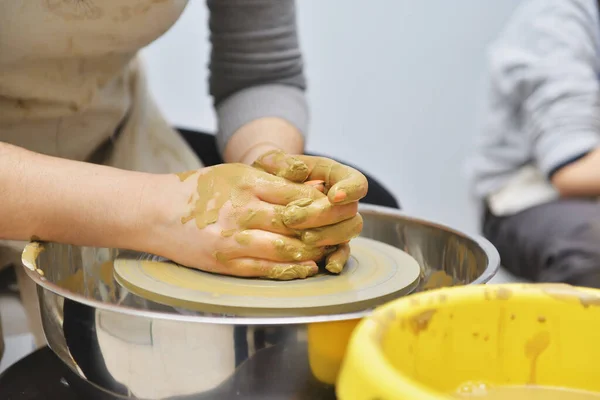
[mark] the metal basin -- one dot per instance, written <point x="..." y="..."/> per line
<point x="136" y="348"/>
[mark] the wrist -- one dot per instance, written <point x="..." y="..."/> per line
<point x="164" y="200"/>
<point x="260" y="136"/>
<point x="153" y="213"/>
<point x="258" y="150"/>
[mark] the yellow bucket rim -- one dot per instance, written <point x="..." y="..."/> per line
<point x="375" y="366"/>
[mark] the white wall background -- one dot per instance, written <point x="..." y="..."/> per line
<point x="395" y="87"/>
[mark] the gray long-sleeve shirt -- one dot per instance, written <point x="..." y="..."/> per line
<point x="543" y="104"/>
<point x="71" y="81"/>
<point x="256" y="64"/>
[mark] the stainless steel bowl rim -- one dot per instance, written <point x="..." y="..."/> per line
<point x="489" y="272"/>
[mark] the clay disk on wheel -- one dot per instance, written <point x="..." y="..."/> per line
<point x="375" y="273"/>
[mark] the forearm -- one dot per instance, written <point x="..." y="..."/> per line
<point x="257" y="78"/>
<point x="580" y="178"/>
<point x="67" y="201"/>
<point x="261" y="136"/>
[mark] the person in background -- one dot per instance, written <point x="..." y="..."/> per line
<point x="537" y="162"/>
<point x="87" y="158"/>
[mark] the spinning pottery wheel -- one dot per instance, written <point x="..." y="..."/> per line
<point x="375" y="273"/>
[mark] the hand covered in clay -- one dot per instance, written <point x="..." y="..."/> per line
<point x="228" y="219"/>
<point x="344" y="187"/>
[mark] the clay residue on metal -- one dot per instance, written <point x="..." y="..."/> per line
<point x="420" y="322"/>
<point x="533" y="349"/>
<point x="438" y="279"/>
<point x="31" y="254"/>
<point x="77" y="283"/>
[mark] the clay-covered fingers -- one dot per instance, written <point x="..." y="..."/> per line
<point x="332" y="235"/>
<point x="336" y="261"/>
<point x="343" y="184"/>
<point x="266" y="217"/>
<point x="308" y="213"/>
<point x="276" y="190"/>
<point x="279" y="163"/>
<point x="255" y="243"/>
<point x="260" y="268"/>
<point x="317" y="184"/>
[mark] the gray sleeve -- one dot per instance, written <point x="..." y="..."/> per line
<point x="545" y="64"/>
<point x="256" y="67"/>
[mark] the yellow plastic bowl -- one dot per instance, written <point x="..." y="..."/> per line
<point x="423" y="347"/>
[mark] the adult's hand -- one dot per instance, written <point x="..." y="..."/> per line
<point x="343" y="184"/>
<point x="344" y="187"/>
<point x="229" y="219"/>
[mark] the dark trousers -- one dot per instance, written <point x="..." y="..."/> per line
<point x="554" y="242"/>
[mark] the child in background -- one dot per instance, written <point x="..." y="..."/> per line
<point x="537" y="164"/>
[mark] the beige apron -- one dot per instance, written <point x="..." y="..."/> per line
<point x="147" y="143"/>
<point x="70" y="78"/>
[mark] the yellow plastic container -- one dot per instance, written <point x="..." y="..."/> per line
<point x="423" y="347"/>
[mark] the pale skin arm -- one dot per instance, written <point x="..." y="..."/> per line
<point x="580" y="178"/>
<point x="260" y="136"/>
<point x="59" y="200"/>
<point x="52" y="199"/>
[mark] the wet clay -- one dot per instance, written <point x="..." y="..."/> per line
<point x="31" y="254"/>
<point x="296" y="212"/>
<point x="250" y="218"/>
<point x="286" y="250"/>
<point x="223" y="188"/>
<point x="289" y="272"/>
<point x="230" y="185"/>
<point x="350" y="229"/>
<point x="205" y="210"/>
<point x="283" y="165"/>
